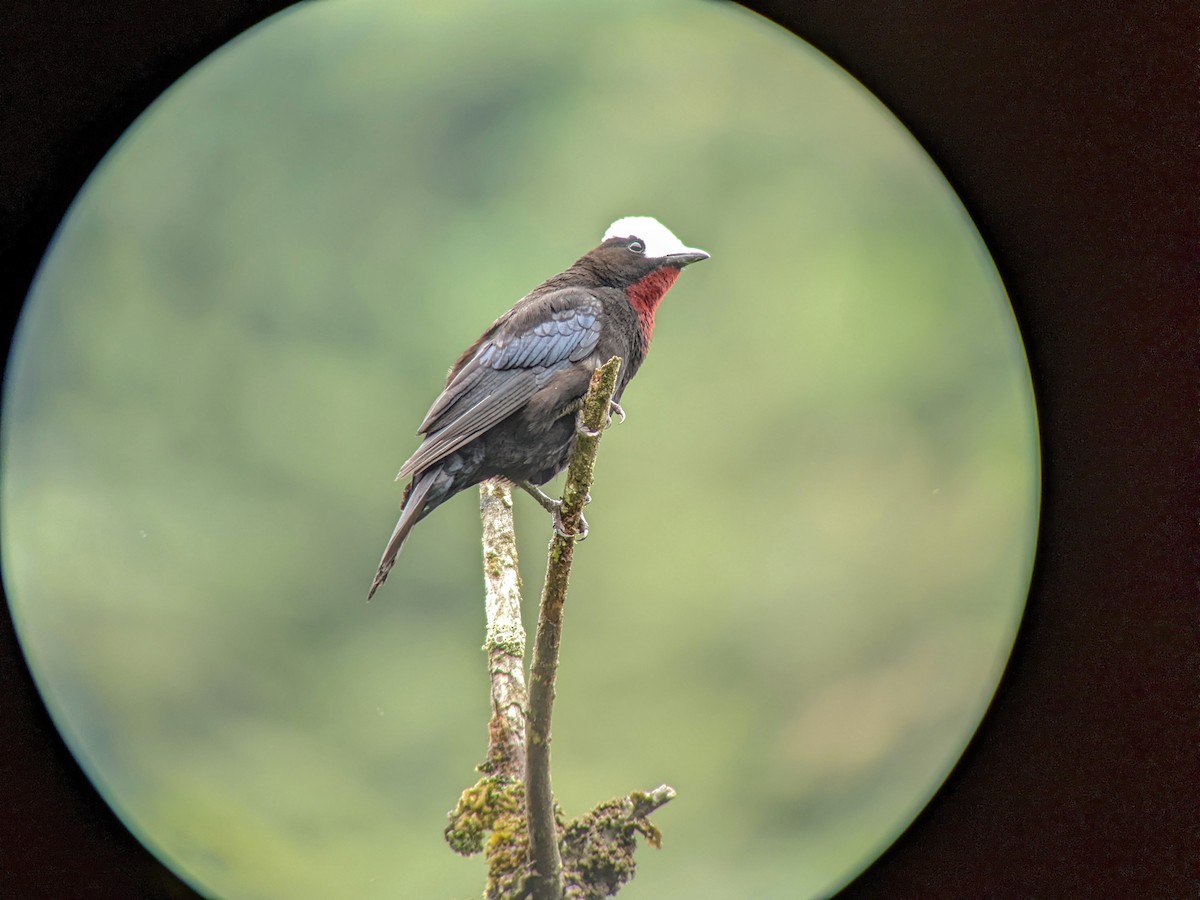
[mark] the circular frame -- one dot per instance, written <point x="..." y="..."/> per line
<point x="1060" y="133"/>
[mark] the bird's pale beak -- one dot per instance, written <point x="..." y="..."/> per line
<point x="685" y="257"/>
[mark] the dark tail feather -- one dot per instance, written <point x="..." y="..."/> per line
<point x="412" y="512"/>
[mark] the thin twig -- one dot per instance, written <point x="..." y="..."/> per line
<point x="505" y="640"/>
<point x="543" y="829"/>
<point x="598" y="848"/>
<point x="641" y="804"/>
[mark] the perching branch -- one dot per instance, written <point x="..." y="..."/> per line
<point x="543" y="830"/>
<point x="588" y="858"/>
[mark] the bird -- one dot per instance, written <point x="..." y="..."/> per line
<point x="509" y="406"/>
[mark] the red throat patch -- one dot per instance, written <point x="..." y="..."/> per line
<point x="646" y="293"/>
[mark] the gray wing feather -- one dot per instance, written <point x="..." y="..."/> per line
<point x="505" y="371"/>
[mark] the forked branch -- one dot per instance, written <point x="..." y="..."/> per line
<point x="531" y="852"/>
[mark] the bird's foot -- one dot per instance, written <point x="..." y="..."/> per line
<point x="560" y="527"/>
<point x="590" y="432"/>
<point x="583" y="429"/>
<point x="554" y="507"/>
<point x="614" y="408"/>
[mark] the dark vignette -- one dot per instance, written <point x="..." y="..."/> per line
<point x="1070" y="133"/>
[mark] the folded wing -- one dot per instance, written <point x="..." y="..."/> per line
<point x="513" y="359"/>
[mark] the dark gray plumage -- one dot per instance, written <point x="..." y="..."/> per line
<point x="508" y="408"/>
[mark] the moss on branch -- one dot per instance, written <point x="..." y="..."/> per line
<point x="510" y="814"/>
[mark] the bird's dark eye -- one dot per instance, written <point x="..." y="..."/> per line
<point x="637" y="246"/>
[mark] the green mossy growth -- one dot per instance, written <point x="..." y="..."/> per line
<point x="490" y="817"/>
<point x="598" y="849"/>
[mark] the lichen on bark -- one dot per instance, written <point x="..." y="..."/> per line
<point x="531" y="850"/>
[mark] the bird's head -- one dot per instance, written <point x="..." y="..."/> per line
<point x="641" y="255"/>
<point x="640" y="244"/>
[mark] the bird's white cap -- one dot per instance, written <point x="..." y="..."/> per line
<point x="654" y="234"/>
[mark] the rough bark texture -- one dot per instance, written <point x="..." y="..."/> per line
<point x="510" y="813"/>
<point x="505" y="640"/>
<point x="543" y="829"/>
<point x="495" y="805"/>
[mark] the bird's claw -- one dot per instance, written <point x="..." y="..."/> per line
<point x="554" y="507"/>
<point x="583" y="429"/>
<point x="560" y="527"/>
<point x="613" y="408"/>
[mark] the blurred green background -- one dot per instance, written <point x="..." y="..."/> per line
<point x="811" y="540"/>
